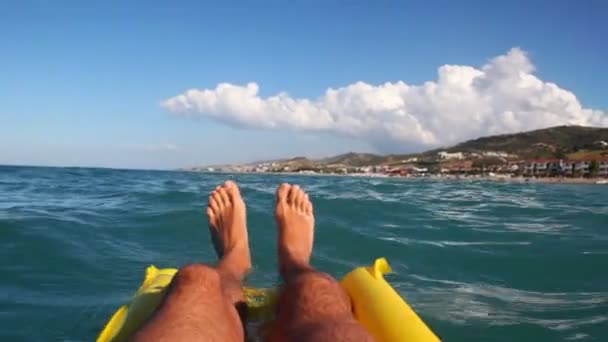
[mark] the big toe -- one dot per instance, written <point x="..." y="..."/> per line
<point x="232" y="190"/>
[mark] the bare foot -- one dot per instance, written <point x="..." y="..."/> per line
<point x="227" y="220"/>
<point x="295" y="220"/>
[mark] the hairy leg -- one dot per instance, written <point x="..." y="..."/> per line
<point x="203" y="302"/>
<point x="313" y="305"/>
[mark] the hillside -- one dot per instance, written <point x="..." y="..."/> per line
<point x="353" y="159"/>
<point x="564" y="142"/>
<point x="572" y="142"/>
<point x="550" y="142"/>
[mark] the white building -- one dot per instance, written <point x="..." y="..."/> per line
<point x="529" y="168"/>
<point x="564" y="167"/>
<point x="567" y="166"/>
<point x="603" y="168"/>
<point x="513" y="167"/>
<point x="582" y="167"/>
<point x="495" y="154"/>
<point x="602" y="143"/>
<point x="446" y="155"/>
<point x="544" y="167"/>
<point x="541" y="167"/>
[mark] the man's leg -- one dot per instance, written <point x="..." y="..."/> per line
<point x="202" y="301"/>
<point x="313" y="305"/>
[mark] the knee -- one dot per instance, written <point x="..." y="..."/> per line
<point x="315" y="278"/>
<point x="316" y="283"/>
<point x="198" y="274"/>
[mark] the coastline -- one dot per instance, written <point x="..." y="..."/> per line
<point x="518" y="179"/>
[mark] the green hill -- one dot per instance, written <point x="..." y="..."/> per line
<point x="353" y="159"/>
<point x="555" y="142"/>
<point x="550" y="142"/>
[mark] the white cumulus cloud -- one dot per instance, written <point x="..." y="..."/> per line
<point x="465" y="102"/>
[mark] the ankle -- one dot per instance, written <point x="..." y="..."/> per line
<point x="290" y="266"/>
<point x="235" y="264"/>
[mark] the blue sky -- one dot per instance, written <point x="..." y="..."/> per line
<point x="84" y="83"/>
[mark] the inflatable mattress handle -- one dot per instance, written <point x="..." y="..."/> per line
<point x="129" y="317"/>
<point x="380" y="309"/>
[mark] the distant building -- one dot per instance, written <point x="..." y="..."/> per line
<point x="544" y="167"/>
<point x="397" y="172"/>
<point x="459" y="167"/>
<point x="602" y="143"/>
<point x="446" y="155"/>
<point x="411" y="169"/>
<point x="529" y="168"/>
<point x="603" y="167"/>
<point x="567" y="167"/>
<point x="582" y="167"/>
<point x="495" y="154"/>
<point x="540" y="168"/>
<point x="515" y="166"/>
<point x="380" y="168"/>
<point x="554" y="167"/>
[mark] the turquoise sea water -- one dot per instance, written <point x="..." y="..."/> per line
<point x="479" y="261"/>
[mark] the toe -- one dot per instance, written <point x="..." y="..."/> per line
<point x="211" y="216"/>
<point x="223" y="196"/>
<point x="293" y="193"/>
<point x="304" y="203"/>
<point x="214" y="203"/>
<point x="232" y="189"/>
<point x="282" y="192"/>
<point x="299" y="198"/>
<point x="217" y="197"/>
<point x="308" y="208"/>
<point x="230" y="184"/>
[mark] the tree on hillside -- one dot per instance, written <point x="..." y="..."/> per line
<point x="573" y="169"/>
<point x="594" y="168"/>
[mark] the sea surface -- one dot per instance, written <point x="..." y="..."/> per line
<point x="478" y="260"/>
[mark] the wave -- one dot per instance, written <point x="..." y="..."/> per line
<point x="466" y="303"/>
<point x="446" y="243"/>
<point x="468" y="255"/>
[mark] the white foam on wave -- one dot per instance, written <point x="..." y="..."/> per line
<point x="467" y="308"/>
<point x="457" y="215"/>
<point x="577" y="336"/>
<point x="258" y="187"/>
<point x="380" y="196"/>
<point x="538" y="228"/>
<point x="447" y="243"/>
<point x="463" y="303"/>
<point x="512" y="295"/>
<point x="515" y="296"/>
<point x="595" y="253"/>
<point x="408" y="241"/>
<point x="485" y="243"/>
<point x="569" y="324"/>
